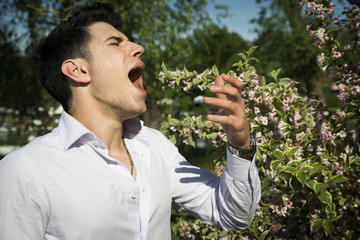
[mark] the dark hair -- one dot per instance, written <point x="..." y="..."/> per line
<point x="70" y="39"/>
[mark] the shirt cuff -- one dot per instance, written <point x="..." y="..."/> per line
<point x="240" y="168"/>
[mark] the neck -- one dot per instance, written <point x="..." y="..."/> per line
<point x="107" y="127"/>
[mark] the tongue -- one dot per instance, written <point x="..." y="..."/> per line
<point x="135" y="73"/>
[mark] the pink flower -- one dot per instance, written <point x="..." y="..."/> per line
<point x="336" y="54"/>
<point x="297" y="116"/>
<point x="186" y="141"/>
<point x="222" y="136"/>
<point x="172" y="83"/>
<point x="288" y="204"/>
<point x="186" y="131"/>
<point x="263" y="120"/>
<point x="256" y="110"/>
<point x="285" y="107"/>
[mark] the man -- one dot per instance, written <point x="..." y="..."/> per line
<point x="101" y="174"/>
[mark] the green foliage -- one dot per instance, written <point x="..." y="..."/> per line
<point x="307" y="156"/>
<point x="283" y="42"/>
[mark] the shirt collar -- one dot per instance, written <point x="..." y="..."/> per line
<point x="71" y="131"/>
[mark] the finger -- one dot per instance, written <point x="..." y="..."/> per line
<point x="223" y="119"/>
<point x="219" y="82"/>
<point x="231" y="92"/>
<point x="233" y="81"/>
<point x="235" y="122"/>
<point x="222" y="103"/>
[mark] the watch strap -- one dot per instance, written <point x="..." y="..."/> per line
<point x="244" y="152"/>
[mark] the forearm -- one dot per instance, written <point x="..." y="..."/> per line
<point x="239" y="193"/>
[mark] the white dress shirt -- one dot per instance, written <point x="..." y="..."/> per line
<point x="64" y="185"/>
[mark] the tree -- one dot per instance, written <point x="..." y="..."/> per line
<point x="283" y="42"/>
<point x="212" y="45"/>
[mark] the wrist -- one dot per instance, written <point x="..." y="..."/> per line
<point x="247" y="152"/>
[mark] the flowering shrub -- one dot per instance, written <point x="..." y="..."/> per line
<point x="308" y="154"/>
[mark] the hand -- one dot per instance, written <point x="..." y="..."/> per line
<point x="231" y="110"/>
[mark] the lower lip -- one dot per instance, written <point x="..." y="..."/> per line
<point x="139" y="86"/>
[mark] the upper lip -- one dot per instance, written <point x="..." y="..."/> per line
<point x="136" y="71"/>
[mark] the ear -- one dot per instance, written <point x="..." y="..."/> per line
<point x="76" y="69"/>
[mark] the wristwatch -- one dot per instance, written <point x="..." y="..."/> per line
<point x="244" y="152"/>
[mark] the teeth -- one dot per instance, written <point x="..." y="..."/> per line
<point x="135" y="73"/>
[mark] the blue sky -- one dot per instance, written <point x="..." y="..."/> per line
<point x="241" y="12"/>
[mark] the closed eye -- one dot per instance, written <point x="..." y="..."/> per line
<point x="115" y="40"/>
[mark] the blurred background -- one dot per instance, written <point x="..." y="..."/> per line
<point x="193" y="33"/>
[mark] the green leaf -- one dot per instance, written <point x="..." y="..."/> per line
<point x="263" y="234"/>
<point x="197" y="81"/>
<point x="251" y="50"/>
<point x="316" y="224"/>
<point x="311" y="183"/>
<point x="223" y="233"/>
<point x="291" y="170"/>
<point x="234" y="236"/>
<point x="274" y="73"/>
<point x="204" y="230"/>
<point x="274" y="164"/>
<point x="172" y="138"/>
<point x="355" y="160"/>
<point x="306" y="167"/>
<point x="213" y="135"/>
<point x="328" y="225"/>
<point x="337" y="179"/>
<point x="164" y="128"/>
<point x="163" y="67"/>
<point x="173" y="121"/>
<point x="330" y="212"/>
<point x="291" y="152"/>
<point x="191" y="141"/>
<point x="319" y="187"/>
<point x="301" y="177"/>
<point x="279" y="154"/>
<point x="316" y="168"/>
<point x="215" y="70"/>
<point x="262" y="81"/>
<point x="325" y="197"/>
<point x="243" y="56"/>
<point x="210" y="235"/>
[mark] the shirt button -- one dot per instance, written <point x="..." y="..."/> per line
<point x="133" y="196"/>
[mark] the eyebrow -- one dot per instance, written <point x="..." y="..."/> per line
<point x="118" y="39"/>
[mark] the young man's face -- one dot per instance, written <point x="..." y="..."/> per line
<point x="116" y="71"/>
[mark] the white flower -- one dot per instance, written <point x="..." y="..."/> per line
<point x="325" y="161"/>
<point x="341" y="134"/>
<point x="264" y="120"/>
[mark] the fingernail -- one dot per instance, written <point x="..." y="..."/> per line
<point x="212" y="87"/>
<point x="207" y="100"/>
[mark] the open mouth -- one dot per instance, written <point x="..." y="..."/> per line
<point x="136" y="73"/>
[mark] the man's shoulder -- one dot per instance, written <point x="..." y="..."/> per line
<point x="36" y="146"/>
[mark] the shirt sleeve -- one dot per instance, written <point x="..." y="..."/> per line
<point x="229" y="202"/>
<point x="20" y="211"/>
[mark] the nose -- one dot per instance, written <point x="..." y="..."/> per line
<point x="137" y="50"/>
